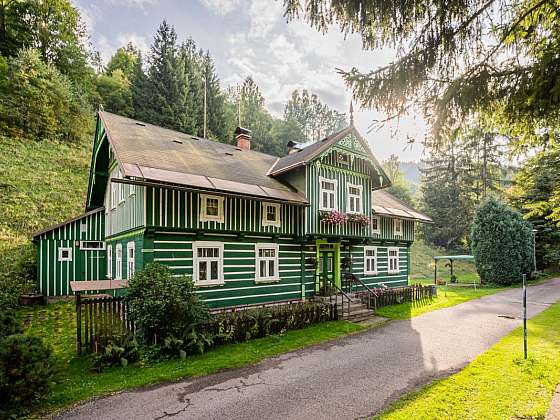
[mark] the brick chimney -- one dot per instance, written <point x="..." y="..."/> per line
<point x="243" y="138"/>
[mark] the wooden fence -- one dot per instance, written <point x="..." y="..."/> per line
<point x="100" y="319"/>
<point x="385" y="297"/>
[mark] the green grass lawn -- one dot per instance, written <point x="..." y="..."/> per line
<point x="498" y="384"/>
<point x="56" y="324"/>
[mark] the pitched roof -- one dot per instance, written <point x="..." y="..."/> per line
<point x="151" y="153"/>
<point x="386" y="204"/>
<point x="73" y="219"/>
<point x="308" y="153"/>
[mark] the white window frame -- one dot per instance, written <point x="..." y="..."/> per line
<point x="196" y="259"/>
<point x="85" y="247"/>
<point x="399" y="223"/>
<point x="378" y="230"/>
<point x="61" y="257"/>
<point x="114" y="195"/>
<point x="130" y="267"/>
<point x="109" y="261"/>
<point x="333" y="192"/>
<point x="354" y="196"/>
<point x="275" y="259"/>
<point x="265" y="221"/>
<point x="121" y="189"/>
<point x="396" y="266"/>
<point x="118" y="262"/>
<point x="374" y="258"/>
<point x="132" y="190"/>
<point x="203" y="216"/>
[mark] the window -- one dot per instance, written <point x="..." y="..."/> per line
<point x="118" y="262"/>
<point x="208" y="263"/>
<point x="64" y="254"/>
<point x="92" y="245"/>
<point x="114" y="186"/>
<point x="109" y="261"/>
<point x="271" y="214"/>
<point x="121" y="189"/>
<point x="370" y="260"/>
<point x="130" y="260"/>
<point x="266" y="262"/>
<point x="376" y="225"/>
<point x="393" y="260"/>
<point x="342" y="158"/>
<point x="211" y="208"/>
<point x="397" y="223"/>
<point x="354" y="199"/>
<point x="131" y="190"/>
<point x="327" y="193"/>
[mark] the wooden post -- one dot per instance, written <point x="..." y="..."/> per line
<point x="435" y="271"/>
<point x="78" y="323"/>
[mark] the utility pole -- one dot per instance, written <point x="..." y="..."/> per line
<point x="205" y="106"/>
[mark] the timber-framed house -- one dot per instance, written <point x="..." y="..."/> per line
<point x="249" y="228"/>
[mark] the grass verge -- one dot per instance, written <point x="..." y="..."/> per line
<point x="448" y="295"/>
<point x="498" y="384"/>
<point x="56" y="324"/>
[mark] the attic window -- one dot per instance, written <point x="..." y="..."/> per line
<point x="229" y="153"/>
<point x="237" y="148"/>
<point x="141" y="124"/>
<point x="177" y="141"/>
<point x="342" y="158"/>
<point x="194" y="138"/>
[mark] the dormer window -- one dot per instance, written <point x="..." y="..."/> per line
<point x="211" y="208"/>
<point x="271" y="214"/>
<point x="328" y="193"/>
<point x="354" y="199"/>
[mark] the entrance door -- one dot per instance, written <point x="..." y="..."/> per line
<point x="325" y="271"/>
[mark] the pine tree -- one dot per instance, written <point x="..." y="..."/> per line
<point x="167" y="87"/>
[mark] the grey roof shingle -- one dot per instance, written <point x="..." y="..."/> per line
<point x="387" y="204"/>
<point x="151" y="153"/>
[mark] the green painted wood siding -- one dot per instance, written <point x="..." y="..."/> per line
<point x="382" y="277"/>
<point x="180" y="210"/>
<point x="128" y="214"/>
<point x="54" y="276"/>
<point x="138" y="239"/>
<point x="387" y="230"/>
<point x="175" y="251"/>
<point x="343" y="176"/>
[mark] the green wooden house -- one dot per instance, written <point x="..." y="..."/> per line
<point x="249" y="228"/>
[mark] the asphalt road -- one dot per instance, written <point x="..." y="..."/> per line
<point x="353" y="377"/>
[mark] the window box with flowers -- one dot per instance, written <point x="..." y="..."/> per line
<point x="359" y="219"/>
<point x="333" y="217"/>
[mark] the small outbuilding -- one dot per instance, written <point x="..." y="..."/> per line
<point x="73" y="250"/>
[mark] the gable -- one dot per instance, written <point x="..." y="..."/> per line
<point x="99" y="168"/>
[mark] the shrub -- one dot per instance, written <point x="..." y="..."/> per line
<point x="26" y="370"/>
<point x="502" y="243"/>
<point x="8" y="323"/>
<point x="117" y="353"/>
<point x="162" y="305"/>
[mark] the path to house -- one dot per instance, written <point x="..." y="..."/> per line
<point x="352" y="377"/>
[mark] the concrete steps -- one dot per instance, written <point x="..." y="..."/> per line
<point x="358" y="311"/>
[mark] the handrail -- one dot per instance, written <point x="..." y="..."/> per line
<point x="342" y="293"/>
<point x="370" y="292"/>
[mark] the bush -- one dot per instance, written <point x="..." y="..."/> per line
<point x="162" y="305"/>
<point x="117" y="353"/>
<point x="26" y="370"/>
<point x="502" y="243"/>
<point x="38" y="101"/>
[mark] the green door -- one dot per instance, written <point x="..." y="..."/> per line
<point x="325" y="272"/>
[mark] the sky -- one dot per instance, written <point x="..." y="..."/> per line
<point x="252" y="38"/>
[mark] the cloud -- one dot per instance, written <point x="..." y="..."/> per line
<point x="220" y="7"/>
<point x="139" y="4"/>
<point x="107" y="47"/>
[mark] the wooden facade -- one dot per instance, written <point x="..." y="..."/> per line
<point x="248" y="249"/>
